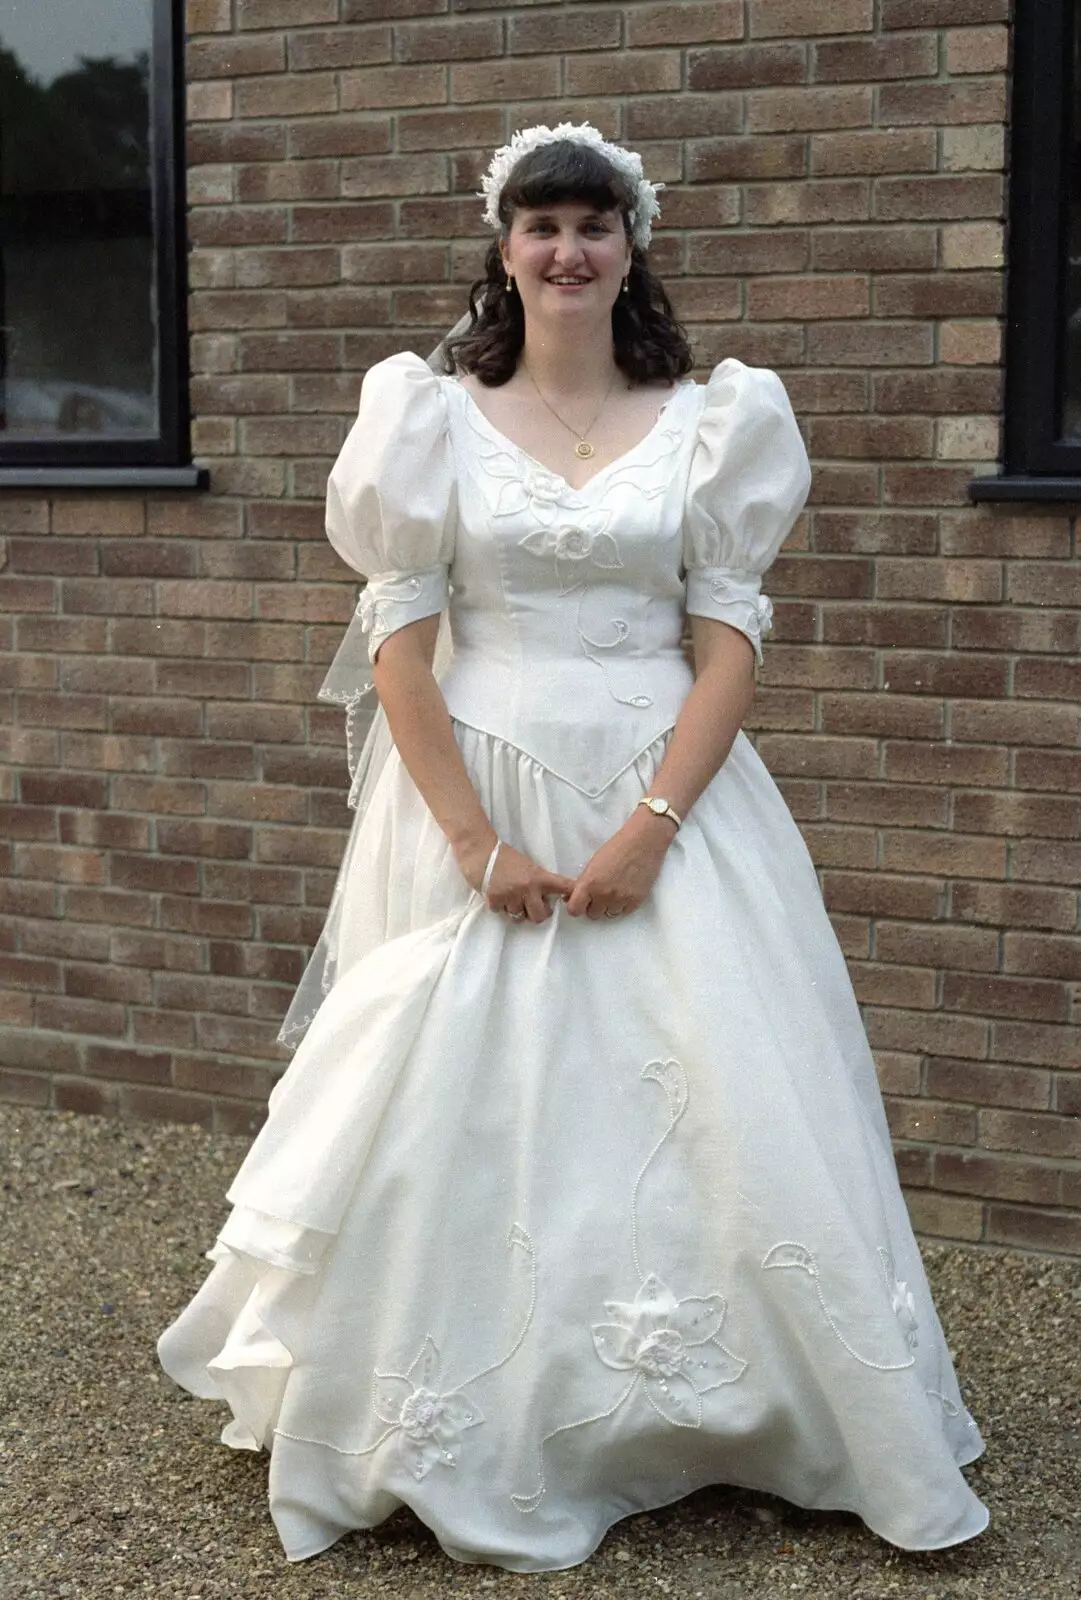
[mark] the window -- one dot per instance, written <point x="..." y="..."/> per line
<point x="1043" y="341"/>
<point x="93" y="347"/>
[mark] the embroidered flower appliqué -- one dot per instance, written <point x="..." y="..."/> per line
<point x="672" y="1347"/>
<point x="429" y="1423"/>
<point x="904" y="1306"/>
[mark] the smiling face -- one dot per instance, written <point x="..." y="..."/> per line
<point x="567" y="259"/>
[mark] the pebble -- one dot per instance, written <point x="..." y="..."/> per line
<point x="113" y="1483"/>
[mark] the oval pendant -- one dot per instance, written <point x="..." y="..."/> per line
<point x="583" y="449"/>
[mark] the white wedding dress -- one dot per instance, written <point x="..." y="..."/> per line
<point x="549" y="1225"/>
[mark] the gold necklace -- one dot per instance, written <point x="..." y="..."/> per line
<point x="583" y="448"/>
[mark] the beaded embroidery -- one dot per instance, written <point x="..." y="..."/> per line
<point x="670" y="1346"/>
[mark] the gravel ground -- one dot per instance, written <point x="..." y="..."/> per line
<point x="112" y="1482"/>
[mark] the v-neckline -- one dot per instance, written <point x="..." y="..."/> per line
<point x="505" y="439"/>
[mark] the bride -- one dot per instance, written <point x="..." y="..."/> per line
<point x="578" y="1193"/>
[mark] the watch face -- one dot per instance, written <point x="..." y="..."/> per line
<point x="658" y="806"/>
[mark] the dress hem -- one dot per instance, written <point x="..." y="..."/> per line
<point x="963" y="1460"/>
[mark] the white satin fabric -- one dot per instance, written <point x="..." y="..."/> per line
<point x="550" y="1225"/>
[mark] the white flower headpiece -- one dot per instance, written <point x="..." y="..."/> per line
<point x="628" y="162"/>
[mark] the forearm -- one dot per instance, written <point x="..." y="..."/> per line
<point x="424" y="736"/>
<point x="712" y="714"/>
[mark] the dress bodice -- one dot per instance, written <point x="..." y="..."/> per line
<point x="566" y="605"/>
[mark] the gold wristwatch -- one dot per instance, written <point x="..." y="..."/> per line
<point x="661" y="808"/>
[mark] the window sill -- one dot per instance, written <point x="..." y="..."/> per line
<point x="197" y="478"/>
<point x="1024" y="486"/>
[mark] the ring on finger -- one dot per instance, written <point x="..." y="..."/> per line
<point x="611" y="913"/>
<point x="516" y="916"/>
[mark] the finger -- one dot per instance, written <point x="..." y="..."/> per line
<point x="595" y="910"/>
<point x="556" y="883"/>
<point x="578" y="901"/>
<point x="537" y="908"/>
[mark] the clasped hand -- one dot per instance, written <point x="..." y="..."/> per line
<point x="615" y="881"/>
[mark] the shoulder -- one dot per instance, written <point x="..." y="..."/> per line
<point x="732" y="382"/>
<point x="404" y="378"/>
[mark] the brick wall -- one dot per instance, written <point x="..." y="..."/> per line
<point x="172" y="796"/>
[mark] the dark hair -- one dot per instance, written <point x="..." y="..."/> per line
<point x="649" y="342"/>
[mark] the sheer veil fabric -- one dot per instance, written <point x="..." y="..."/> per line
<point x="549" y="1225"/>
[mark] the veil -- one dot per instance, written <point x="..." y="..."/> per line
<point x="349" y="684"/>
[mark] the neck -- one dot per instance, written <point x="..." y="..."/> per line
<point x="563" y="362"/>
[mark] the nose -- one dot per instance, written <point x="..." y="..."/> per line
<point x="568" y="248"/>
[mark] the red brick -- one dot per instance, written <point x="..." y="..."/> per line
<point x="996" y="1177"/>
<point x="1013" y="723"/>
<point x="734" y="159"/>
<point x="997" y="996"/>
<point x="941" y="13"/>
<point x="976" y="50"/>
<point x="815" y="756"/>
<point x="871" y="344"/>
<point x="1007" y="905"/>
<point x="788" y="109"/>
<point x="887" y="803"/>
<point x="987" y="533"/>
<point x="880" y="894"/>
<point x="943" y="391"/>
<point x="836" y="154"/>
<point x="329" y="136"/>
<point x="897" y="438"/>
<point x="1028" y="1228"/>
<point x="892" y="986"/>
<point x="1047" y="863"/>
<point x="943" y="104"/>
<point x="154" y="1104"/>
<point x="940" y="294"/>
<point x="876" y="624"/>
<point x="742" y="253"/>
<point x="881" y="715"/>
<point x="241" y="1036"/>
<point x="867" y="60"/>
<point x="956" y="580"/>
<point x="933" y="1122"/>
<point x="1040" y="1044"/>
<point x="27" y="594"/>
<point x="20" y="1088"/>
<point x="932" y="1031"/>
<point x="694" y="22"/>
<point x="1043" y="956"/>
<point x="770" y="18"/>
<point x="987" y="1084"/>
<point x="314" y="49"/>
<point x="284" y="13"/>
<point x="64" y="1015"/>
<point x="746" y="67"/>
<point x="804" y="299"/>
<point x="617" y="72"/>
<point x="372" y="88"/>
<point x="1019" y="815"/>
<point x="234" y="58"/>
<point x="1033" y="1134"/>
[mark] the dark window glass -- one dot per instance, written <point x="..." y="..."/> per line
<point x="92" y="348"/>
<point x="1071" y="333"/>
<point x="1043" y="326"/>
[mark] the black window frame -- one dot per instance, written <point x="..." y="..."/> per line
<point x="1037" y="464"/>
<point x="164" y="461"/>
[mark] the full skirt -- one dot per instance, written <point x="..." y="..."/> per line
<point x="549" y="1225"/>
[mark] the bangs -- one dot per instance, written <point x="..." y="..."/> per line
<point x="564" y="170"/>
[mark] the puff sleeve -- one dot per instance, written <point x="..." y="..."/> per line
<point x="749" y="478"/>
<point x="391" y="499"/>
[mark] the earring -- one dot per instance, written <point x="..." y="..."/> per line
<point x="510" y="283"/>
<point x="626" y="288"/>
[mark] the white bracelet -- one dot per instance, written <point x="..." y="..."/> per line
<point x="490" y="868"/>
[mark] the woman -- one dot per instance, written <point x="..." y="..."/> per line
<point x="578" y="1194"/>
